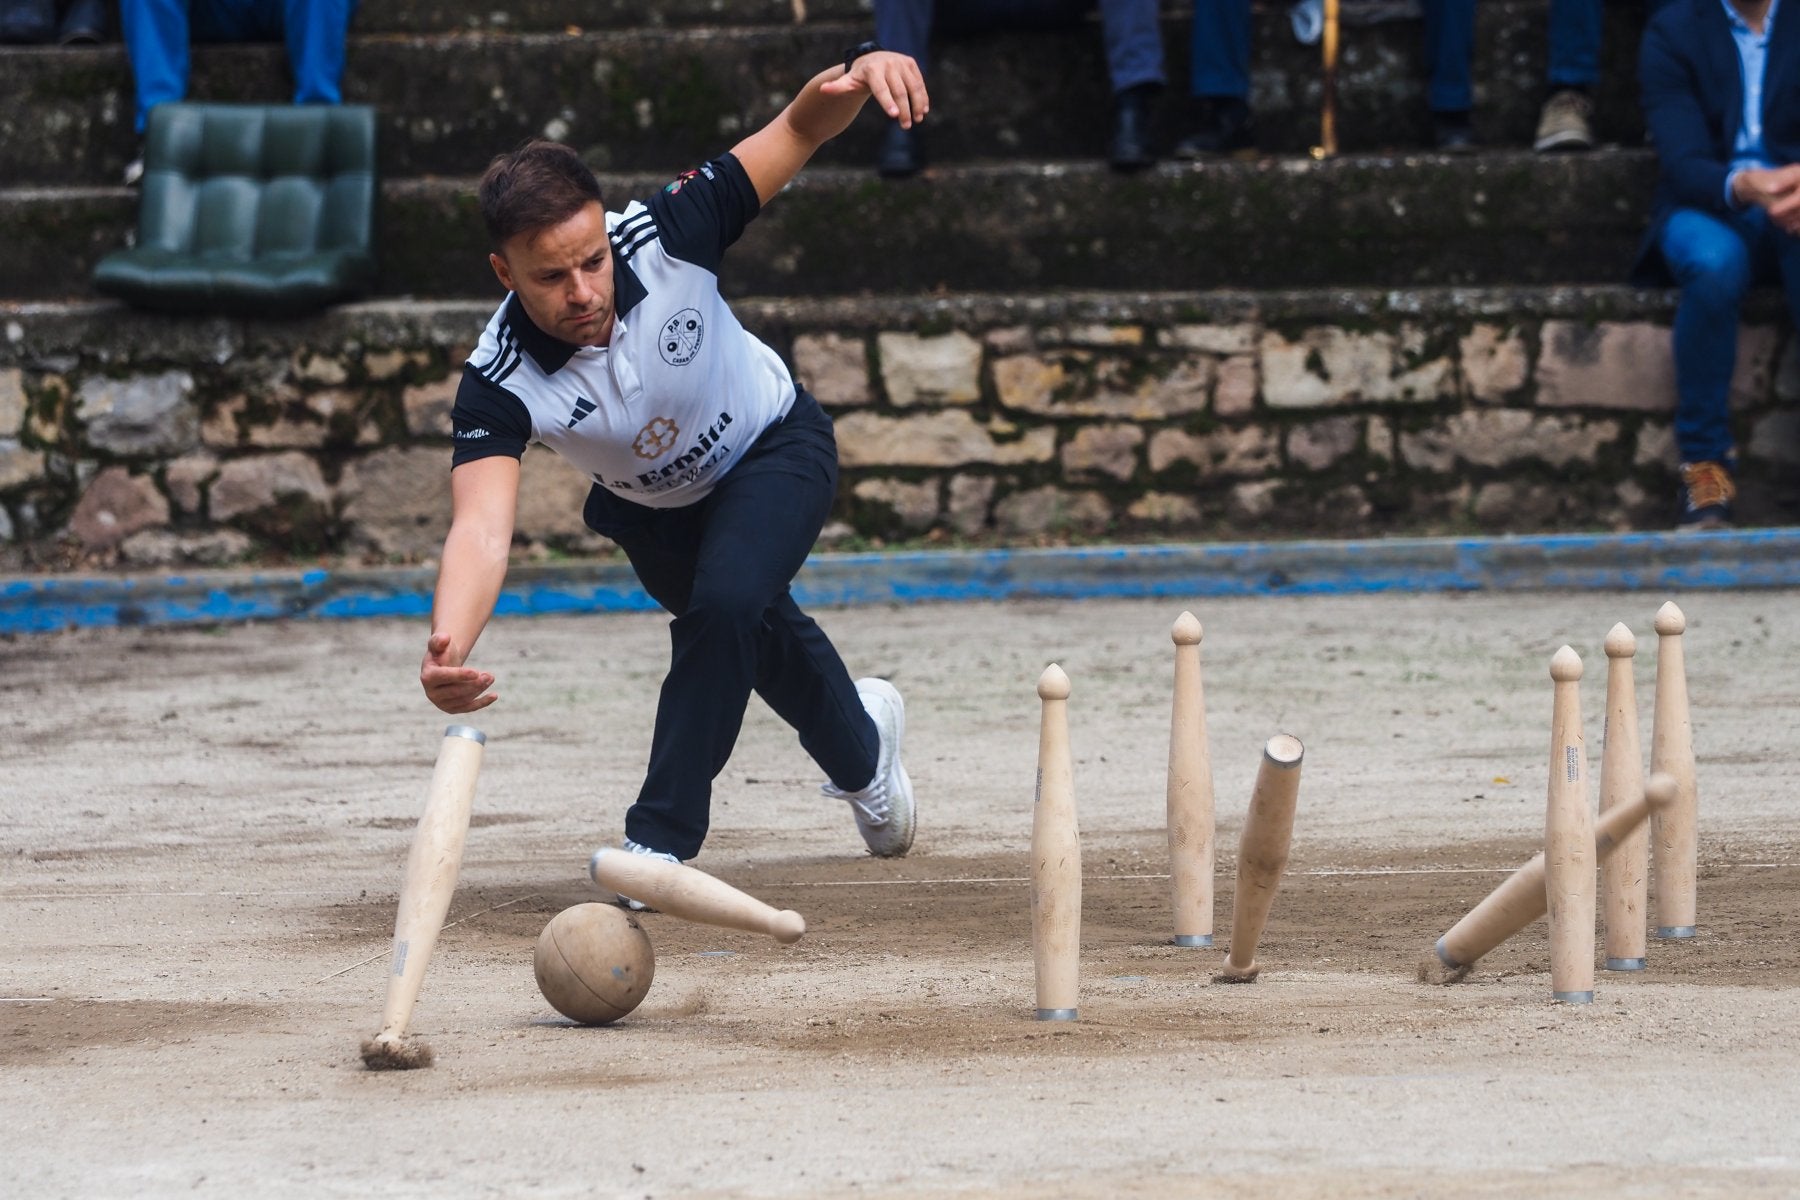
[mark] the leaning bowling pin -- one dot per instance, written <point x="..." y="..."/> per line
<point x="1262" y="854"/>
<point x="1520" y="899"/>
<point x="1674" y="834"/>
<point x="1055" y="858"/>
<point x="1569" y="840"/>
<point x="1190" y="795"/>
<point x="1625" y="873"/>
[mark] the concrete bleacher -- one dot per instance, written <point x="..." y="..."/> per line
<point x="1422" y="264"/>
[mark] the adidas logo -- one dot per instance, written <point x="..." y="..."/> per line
<point x="583" y="407"/>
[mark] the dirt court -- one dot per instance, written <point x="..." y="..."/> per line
<point x="203" y="831"/>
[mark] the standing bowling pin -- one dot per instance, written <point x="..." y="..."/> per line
<point x="1055" y="858"/>
<point x="1262" y="854"/>
<point x="1190" y="798"/>
<point x="1674" y="833"/>
<point x="1569" y="841"/>
<point x="1625" y="873"/>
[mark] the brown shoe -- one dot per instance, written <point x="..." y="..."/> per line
<point x="1706" y="496"/>
<point x="1567" y="122"/>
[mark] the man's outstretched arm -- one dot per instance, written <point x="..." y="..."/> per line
<point x="484" y="496"/>
<point x="774" y="154"/>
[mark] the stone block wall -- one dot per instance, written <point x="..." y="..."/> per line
<point x="129" y="440"/>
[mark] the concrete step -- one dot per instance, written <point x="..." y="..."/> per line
<point x="1371" y="221"/>
<point x="663" y="99"/>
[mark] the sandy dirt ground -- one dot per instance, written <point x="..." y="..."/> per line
<point x="202" y="833"/>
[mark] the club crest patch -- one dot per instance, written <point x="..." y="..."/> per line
<point x="681" y="337"/>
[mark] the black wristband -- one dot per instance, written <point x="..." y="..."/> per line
<point x="857" y="51"/>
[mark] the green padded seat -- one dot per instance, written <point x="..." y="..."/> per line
<point x="251" y="210"/>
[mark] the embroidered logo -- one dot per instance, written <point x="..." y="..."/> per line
<point x="655" y="439"/>
<point x="681" y="336"/>
<point x="676" y="185"/>
<point x="583" y="406"/>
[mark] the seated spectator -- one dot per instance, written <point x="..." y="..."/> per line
<point x="1221" y="76"/>
<point x="157" y="33"/>
<point x="34" y="22"/>
<point x="1727" y="211"/>
<point x="1133" y="60"/>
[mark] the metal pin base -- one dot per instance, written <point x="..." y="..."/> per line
<point x="1625" y="964"/>
<point x="1675" y="931"/>
<point x="1056" y="1014"/>
<point x="1193" y="939"/>
<point x="1573" y="997"/>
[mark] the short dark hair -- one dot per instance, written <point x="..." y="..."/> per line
<point x="539" y="185"/>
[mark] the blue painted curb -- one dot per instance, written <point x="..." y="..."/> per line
<point x="1571" y="562"/>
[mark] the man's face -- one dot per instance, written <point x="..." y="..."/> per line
<point x="563" y="277"/>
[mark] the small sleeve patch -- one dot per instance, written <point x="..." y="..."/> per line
<point x="487" y="420"/>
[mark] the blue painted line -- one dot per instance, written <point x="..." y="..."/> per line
<point x="1755" y="558"/>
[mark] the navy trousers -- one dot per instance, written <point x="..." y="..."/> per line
<point x="1133" y="37"/>
<point x="1221" y="49"/>
<point x="722" y="567"/>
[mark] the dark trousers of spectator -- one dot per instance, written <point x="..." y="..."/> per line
<point x="1221" y="49"/>
<point x="722" y="567"/>
<point x="1134" y="53"/>
<point x="158" y="32"/>
<point x="1715" y="260"/>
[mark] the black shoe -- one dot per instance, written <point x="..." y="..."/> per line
<point x="899" y="154"/>
<point x="83" y="23"/>
<point x="1226" y="127"/>
<point x="1451" y="133"/>
<point x="1129" y="149"/>
<point x="1705" y="497"/>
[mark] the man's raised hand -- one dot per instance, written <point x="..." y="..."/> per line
<point x="893" y="80"/>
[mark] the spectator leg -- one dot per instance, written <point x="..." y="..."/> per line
<point x="1711" y="262"/>
<point x="1134" y="51"/>
<point x="1449" y="49"/>
<point x="315" y="33"/>
<point x="1574" y="43"/>
<point x="1221" y="48"/>
<point x="904" y="26"/>
<point x="156" y="41"/>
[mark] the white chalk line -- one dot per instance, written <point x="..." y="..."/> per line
<point x="447" y="925"/>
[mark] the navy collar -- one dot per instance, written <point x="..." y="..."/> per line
<point x="551" y="353"/>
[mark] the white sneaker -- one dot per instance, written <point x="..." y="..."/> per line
<point x="884" y="810"/>
<point x="631" y="847"/>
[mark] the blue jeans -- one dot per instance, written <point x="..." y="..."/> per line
<point x="1133" y="35"/>
<point x="1715" y="260"/>
<point x="722" y="567"/>
<point x="157" y="33"/>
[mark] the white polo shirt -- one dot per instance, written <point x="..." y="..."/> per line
<point x="663" y="411"/>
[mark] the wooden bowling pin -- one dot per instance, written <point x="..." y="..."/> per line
<point x="1521" y="898"/>
<point x="1625" y="873"/>
<point x="1055" y="858"/>
<point x="1262" y="854"/>
<point x="1674" y="834"/>
<point x="1190" y="795"/>
<point x="1569" y="840"/>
